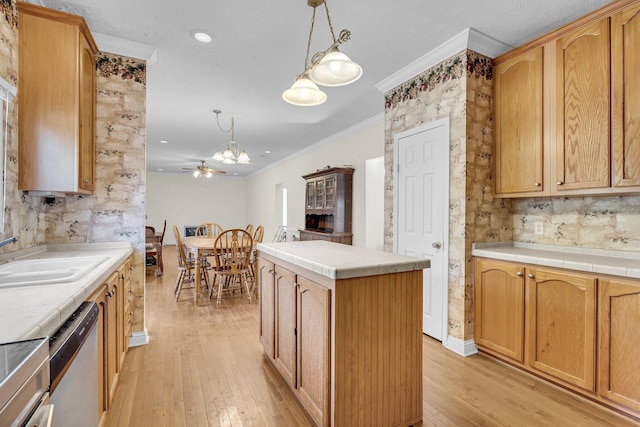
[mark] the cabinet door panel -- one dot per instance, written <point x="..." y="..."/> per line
<point x="518" y="124"/>
<point x="313" y="348"/>
<point x="625" y="140"/>
<point x="285" y="350"/>
<point x="499" y="297"/>
<point x="267" y="306"/>
<point x="618" y="362"/>
<point x="562" y="313"/>
<point x="583" y="109"/>
<point x="87" y="151"/>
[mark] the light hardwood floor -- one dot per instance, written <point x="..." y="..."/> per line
<point x="204" y="366"/>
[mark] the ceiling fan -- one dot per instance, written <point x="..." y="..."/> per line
<point x="203" y="171"/>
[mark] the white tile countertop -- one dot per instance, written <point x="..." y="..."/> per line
<point x="38" y="310"/>
<point x="338" y="261"/>
<point x="615" y="263"/>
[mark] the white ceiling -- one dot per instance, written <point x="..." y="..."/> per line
<point x="260" y="46"/>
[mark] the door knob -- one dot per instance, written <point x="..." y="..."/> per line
<point x="436" y="245"/>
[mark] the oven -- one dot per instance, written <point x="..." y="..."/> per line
<point x="73" y="350"/>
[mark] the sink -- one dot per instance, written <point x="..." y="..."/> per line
<point x="45" y="271"/>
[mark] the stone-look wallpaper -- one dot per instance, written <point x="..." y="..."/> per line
<point x="459" y="88"/>
<point x="23" y="217"/>
<point x="115" y="212"/>
<point x="593" y="222"/>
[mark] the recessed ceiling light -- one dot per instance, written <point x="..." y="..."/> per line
<point x="267" y="152"/>
<point x="203" y="36"/>
<point x="160" y="169"/>
<point x="164" y="141"/>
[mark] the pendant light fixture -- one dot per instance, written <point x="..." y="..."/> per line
<point x="327" y="68"/>
<point x="232" y="153"/>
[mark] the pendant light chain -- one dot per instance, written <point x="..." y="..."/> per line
<point x="313" y="21"/>
<point x="326" y="8"/>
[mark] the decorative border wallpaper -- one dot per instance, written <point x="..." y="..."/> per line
<point x="9" y="10"/>
<point x="476" y="66"/>
<point x="127" y="68"/>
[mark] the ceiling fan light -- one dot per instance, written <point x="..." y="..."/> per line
<point x="335" y="69"/>
<point x="304" y="93"/>
<point x="209" y="174"/>
<point x="218" y="156"/>
<point x="196" y="173"/>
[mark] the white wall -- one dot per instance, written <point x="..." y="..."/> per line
<point x="185" y="200"/>
<point x="351" y="147"/>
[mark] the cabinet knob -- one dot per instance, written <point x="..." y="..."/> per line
<point x="86" y="181"/>
<point x="536" y="184"/>
<point x="436" y="245"/>
<point x="530" y="276"/>
<point x="559" y="183"/>
<point x="519" y="274"/>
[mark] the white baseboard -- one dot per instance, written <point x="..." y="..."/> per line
<point x="463" y="348"/>
<point x="139" y="338"/>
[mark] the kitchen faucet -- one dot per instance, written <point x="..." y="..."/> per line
<point x="7" y="241"/>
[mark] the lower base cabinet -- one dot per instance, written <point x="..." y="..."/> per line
<point x="113" y="298"/>
<point x="619" y="336"/>
<point x="350" y="349"/>
<point x="568" y="327"/>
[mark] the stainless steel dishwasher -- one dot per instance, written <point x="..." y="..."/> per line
<point x="73" y="350"/>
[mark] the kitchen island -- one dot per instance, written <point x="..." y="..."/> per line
<point x="343" y="326"/>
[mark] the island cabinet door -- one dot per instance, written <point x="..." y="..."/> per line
<point x="285" y="343"/>
<point x="561" y="311"/>
<point x="313" y="348"/>
<point x="267" y="307"/>
<point x="619" y="335"/>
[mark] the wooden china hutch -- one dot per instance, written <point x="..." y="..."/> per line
<point x="328" y="205"/>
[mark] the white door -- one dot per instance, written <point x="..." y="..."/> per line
<point x="422" y="206"/>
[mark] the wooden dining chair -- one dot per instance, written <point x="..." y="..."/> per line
<point x="186" y="266"/>
<point x="208" y="229"/>
<point x="255" y="255"/>
<point x="232" y="255"/>
<point x="250" y="229"/>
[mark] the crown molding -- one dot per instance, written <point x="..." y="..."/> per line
<point x="470" y="38"/>
<point x="127" y="48"/>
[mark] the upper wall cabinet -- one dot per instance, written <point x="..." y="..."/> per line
<point x="573" y="129"/>
<point x="518" y="123"/>
<point x="582" y="108"/>
<point x="625" y="123"/>
<point x="57" y="93"/>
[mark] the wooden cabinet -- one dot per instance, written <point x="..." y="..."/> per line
<point x="267" y="307"/>
<point x="328" y="205"/>
<point x="625" y="67"/>
<point x="112" y="355"/>
<point x="285" y="309"/>
<point x="582" y="108"/>
<point x="562" y="325"/>
<point x="313" y="348"/>
<point x="56" y="95"/>
<point x="518" y="118"/>
<point x="585" y="110"/>
<point x="350" y="349"/>
<point x="618" y="361"/>
<point x="113" y="327"/>
<point x="499" y="308"/>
